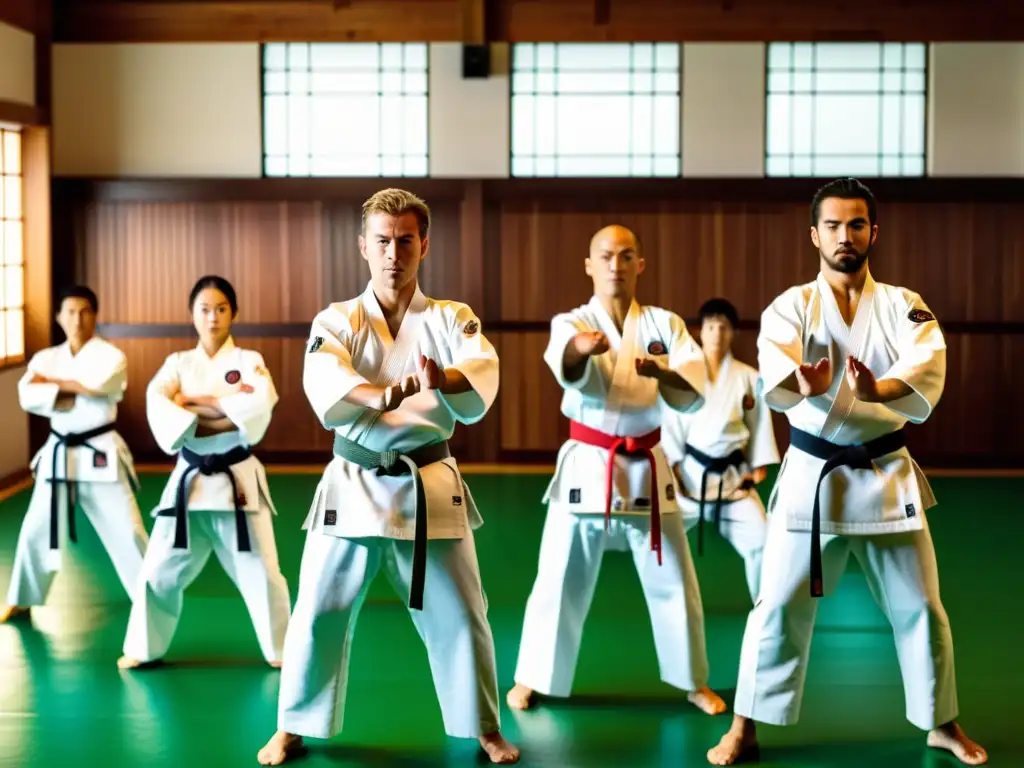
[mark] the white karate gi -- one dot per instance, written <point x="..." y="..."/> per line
<point x="360" y="520"/>
<point x="167" y="571"/>
<point x="876" y="514"/>
<point x="102" y="471"/>
<point x="732" y="419"/>
<point x="612" y="397"/>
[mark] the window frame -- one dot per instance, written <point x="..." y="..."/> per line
<point x="18" y="360"/>
<point x="677" y="94"/>
<point x="925" y="125"/>
<point x="263" y="124"/>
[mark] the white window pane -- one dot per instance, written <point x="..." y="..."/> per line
<point x="892" y="108"/>
<point x="642" y="166"/>
<point x="299" y="165"/>
<point x="643" y="56"/>
<point x="666" y="166"/>
<point x="545" y="166"/>
<point x="891" y="166"/>
<point x="892" y="81"/>
<point x="523" y="82"/>
<point x="522" y="125"/>
<point x="391" y="125"/>
<point x="847" y="82"/>
<point x="298" y="81"/>
<point x="778" y="128"/>
<point x="391" y="165"/>
<point x="642" y="126"/>
<point x="779" y="55"/>
<point x="777" y="166"/>
<point x="12" y="197"/>
<point x="522" y="166"/>
<point x="14" y="286"/>
<point x="801" y="82"/>
<point x="545" y="56"/>
<point x="415" y="56"/>
<point x="545" y="110"/>
<point x="800" y="165"/>
<point x="15" y="327"/>
<point x="842" y="165"/>
<point x="803" y="56"/>
<point x="643" y="82"/>
<point x="11" y="152"/>
<point x="914" y="82"/>
<point x="276" y="166"/>
<point x="667" y="56"/>
<point x="416" y="82"/>
<point x="844" y="124"/>
<point x="592" y="82"/>
<point x="275" y="125"/>
<point x="299" y="123"/>
<point x="298" y="55"/>
<point x="414" y="125"/>
<point x="391" y="82"/>
<point x="779" y="82"/>
<point x="666" y="124"/>
<point x="12" y="242"/>
<point x="601" y="57"/>
<point x="391" y="56"/>
<point x="914" y="54"/>
<point x="666" y="82"/>
<point x="801" y="123"/>
<point x="545" y="82"/>
<point x="349" y="126"/>
<point x="892" y="55"/>
<point x="522" y="56"/>
<point x="913" y="165"/>
<point x="415" y="165"/>
<point x="584" y="130"/>
<point x="363" y="57"/>
<point x="848" y="56"/>
<point x="913" y="125"/>
<point x="3" y="335"/>
<point x="275" y="55"/>
<point x="593" y="165"/>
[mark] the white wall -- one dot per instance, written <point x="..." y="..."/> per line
<point x="976" y="109"/>
<point x="17" y="65"/>
<point x="157" y="110"/>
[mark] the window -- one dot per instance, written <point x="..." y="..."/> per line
<point x="345" y="109"/>
<point x="839" y="109"/>
<point x="595" y="109"/>
<point x="12" y="254"/>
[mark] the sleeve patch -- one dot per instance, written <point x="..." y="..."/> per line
<point x="920" y="316"/>
<point x="315" y="344"/>
<point x="471" y="328"/>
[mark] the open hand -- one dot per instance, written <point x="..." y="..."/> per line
<point x="396" y="393"/>
<point x="429" y="374"/>
<point x="861" y="380"/>
<point x="645" y="366"/>
<point x="759" y="475"/>
<point x="246" y="388"/>
<point x="814" y="380"/>
<point x="591" y="343"/>
<point x="40" y="379"/>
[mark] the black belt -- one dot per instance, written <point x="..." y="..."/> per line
<point x="208" y="464"/>
<point x="399" y="463"/>
<point x="858" y="456"/>
<point x="69" y="440"/>
<point x="712" y="465"/>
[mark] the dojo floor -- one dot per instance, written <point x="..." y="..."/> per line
<point x="63" y="701"/>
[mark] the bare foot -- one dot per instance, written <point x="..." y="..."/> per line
<point x="952" y="738"/>
<point x="499" y="750"/>
<point x="11" y="612"/>
<point x="707" y="700"/>
<point x="275" y="664"/>
<point x="281" y="747"/>
<point x="738" y="745"/>
<point x="520" y="697"/>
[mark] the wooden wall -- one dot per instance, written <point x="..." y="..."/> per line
<point x="514" y="250"/>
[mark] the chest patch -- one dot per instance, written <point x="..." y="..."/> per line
<point x="233" y="377"/>
<point x="656" y="348"/>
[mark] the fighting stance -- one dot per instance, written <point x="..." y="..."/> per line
<point x="620" y="365"/>
<point x="390" y="373"/>
<point x="849" y="361"/>
<point x="76" y="386"/>
<point x="719" y="453"/>
<point x="210" y="405"/>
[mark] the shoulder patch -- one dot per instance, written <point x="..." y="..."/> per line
<point x="471" y="328"/>
<point x="920" y="316"/>
<point x="656" y="348"/>
<point x="315" y="344"/>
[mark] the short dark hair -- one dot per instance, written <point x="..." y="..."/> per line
<point x="78" y="292"/>
<point x="213" y="281"/>
<point x="718" y="307"/>
<point x="847" y="189"/>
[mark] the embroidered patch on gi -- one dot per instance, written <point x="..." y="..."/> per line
<point x="920" y="316"/>
<point x="574" y="496"/>
<point x="655" y="348"/>
<point x="262" y="371"/>
<point x="910" y="510"/>
<point x="471" y="328"/>
<point x="617" y="506"/>
<point x="670" y="492"/>
<point x="457" y="501"/>
<point x="330" y="517"/>
<point x="643" y="502"/>
<point x="233" y="377"/>
<point x="99" y="460"/>
<point x="748" y="402"/>
<point x="315" y="344"/>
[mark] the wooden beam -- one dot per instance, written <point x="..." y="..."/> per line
<point x="22" y="114"/>
<point x="532" y="20"/>
<point x="19" y="13"/>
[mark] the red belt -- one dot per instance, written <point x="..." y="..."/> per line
<point x="630" y="446"/>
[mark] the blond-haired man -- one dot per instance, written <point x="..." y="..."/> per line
<point x="390" y="373"/>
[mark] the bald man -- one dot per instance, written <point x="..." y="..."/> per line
<point x="620" y="365"/>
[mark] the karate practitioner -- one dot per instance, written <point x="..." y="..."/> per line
<point x="391" y="372"/>
<point x="76" y="386"/>
<point x="849" y="361"/>
<point x="621" y="366"/>
<point x="719" y="454"/>
<point x="210" y="405"/>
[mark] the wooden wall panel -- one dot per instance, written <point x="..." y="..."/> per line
<point x="516" y="255"/>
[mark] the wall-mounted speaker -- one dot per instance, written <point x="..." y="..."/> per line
<point x="476" y="61"/>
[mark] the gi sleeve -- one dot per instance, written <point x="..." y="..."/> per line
<point x="564" y="327"/>
<point x="327" y="371"/>
<point x="675" y="428"/>
<point x="37" y="399"/>
<point x="920" y="363"/>
<point x="108" y="375"/>
<point x="474" y="357"/>
<point x="172" y="426"/>
<point x="686" y="358"/>
<point x="762" y="450"/>
<point x="251" y="411"/>
<point x="780" y="351"/>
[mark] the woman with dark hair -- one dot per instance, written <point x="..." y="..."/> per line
<point x="210" y="405"/>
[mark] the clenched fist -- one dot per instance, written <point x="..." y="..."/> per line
<point x="591" y="343"/>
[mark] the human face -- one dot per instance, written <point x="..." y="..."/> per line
<point x="77" y="319"/>
<point x="212" y="316"/>
<point x="844" y="235"/>
<point x="716" y="335"/>
<point x="393" y="248"/>
<point x="614" y="263"/>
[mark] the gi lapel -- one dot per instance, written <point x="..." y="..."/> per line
<point x="624" y="372"/>
<point x="397" y="351"/>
